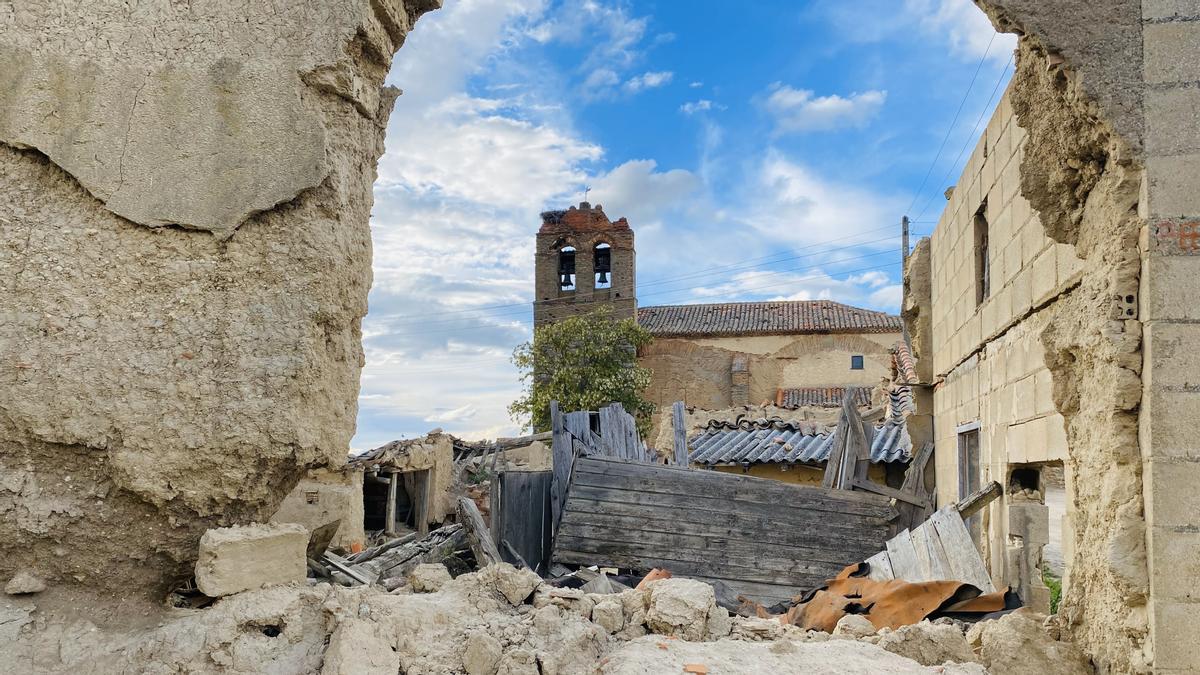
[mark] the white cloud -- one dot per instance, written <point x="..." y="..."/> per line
<point x="461" y="413"/>
<point x="964" y="26"/>
<point x="648" y="80"/>
<point x="638" y="191"/>
<point x="960" y="23"/>
<point x="693" y="107"/>
<point x="456" y="203"/>
<point x="696" y="85"/>
<point x="800" y="110"/>
<point x="601" y="78"/>
<point x="788" y="203"/>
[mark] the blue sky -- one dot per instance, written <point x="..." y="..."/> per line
<point x="762" y="153"/>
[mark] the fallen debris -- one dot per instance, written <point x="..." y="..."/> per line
<point x="928" y="643"/>
<point x="390" y="564"/>
<point x="241" y="558"/>
<point x="481" y="542"/>
<point x="24" y="583"/>
<point x="893" y="603"/>
<point x="428" y="578"/>
<point x="784" y="657"/>
<point x="1017" y="643"/>
<point x="685" y="608"/>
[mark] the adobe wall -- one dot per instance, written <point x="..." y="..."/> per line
<point x="698" y="371"/>
<point x="185" y="257"/>
<point x="323" y="496"/>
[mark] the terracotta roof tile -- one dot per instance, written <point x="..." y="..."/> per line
<point x="902" y="359"/>
<point x="764" y="318"/>
<point x="821" y="397"/>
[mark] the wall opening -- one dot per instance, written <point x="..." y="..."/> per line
<point x="969" y="477"/>
<point x="394" y="503"/>
<point x="856" y="362"/>
<point x="982" y="270"/>
<point x="602" y="259"/>
<point x="566" y="268"/>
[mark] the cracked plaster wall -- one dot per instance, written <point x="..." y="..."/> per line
<point x="185" y="257"/>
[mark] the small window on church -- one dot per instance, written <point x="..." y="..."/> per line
<point x="856" y="362"/>
<point x="566" y="268"/>
<point x="603" y="260"/>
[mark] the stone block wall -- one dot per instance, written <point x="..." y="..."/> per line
<point x="1170" y="315"/>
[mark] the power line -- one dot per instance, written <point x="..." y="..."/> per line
<point x="739" y="291"/>
<point x="949" y="129"/>
<point x="740" y="265"/>
<point x="971" y="136"/>
<point x="473" y="365"/>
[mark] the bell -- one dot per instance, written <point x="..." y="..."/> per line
<point x="603" y="278"/>
<point x="565" y="281"/>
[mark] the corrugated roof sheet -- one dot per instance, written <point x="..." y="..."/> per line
<point x="821" y="397"/>
<point x="777" y="441"/>
<point x="764" y="318"/>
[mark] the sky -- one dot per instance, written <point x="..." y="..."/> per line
<point x="765" y="153"/>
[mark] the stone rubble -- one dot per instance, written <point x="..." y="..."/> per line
<point x="471" y="624"/>
<point x="24" y="583"/>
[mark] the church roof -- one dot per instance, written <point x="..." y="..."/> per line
<point x="732" y="319"/>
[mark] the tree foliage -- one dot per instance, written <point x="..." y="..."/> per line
<point x="585" y="363"/>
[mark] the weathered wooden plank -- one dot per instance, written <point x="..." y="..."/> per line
<point x="609" y="467"/>
<point x="563" y="459"/>
<point x="974" y="502"/>
<point x="700" y="481"/>
<point x="714" y="495"/>
<point x="680" y="434"/>
<point x="753" y="520"/>
<point x="766" y="594"/>
<point x="727" y="549"/>
<point x="521" y="517"/>
<point x="881" y="567"/>
<point x="962" y="557"/>
<point x="929" y="561"/>
<point x="579" y="552"/>
<point x="830" y="547"/>
<point x="914" y="475"/>
<point x="481" y="542"/>
<point x="903" y="556"/>
<point x="390" y="523"/>
<point x="738" y="518"/>
<point x="883" y="490"/>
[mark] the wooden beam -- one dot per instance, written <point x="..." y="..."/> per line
<point x="389" y="523"/>
<point x="974" y="502"/>
<point x="339" y="564"/>
<point x="678" y="425"/>
<point x="478" y="537"/>
<point x="871" y="486"/>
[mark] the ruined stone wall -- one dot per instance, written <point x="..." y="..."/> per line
<point x="323" y="496"/>
<point x="1094" y="114"/>
<point x="185" y="258"/>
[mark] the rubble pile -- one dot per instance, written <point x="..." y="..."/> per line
<point x="502" y="620"/>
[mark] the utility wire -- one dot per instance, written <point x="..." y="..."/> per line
<point x="737" y="291"/>
<point x="695" y="274"/>
<point x="971" y="136"/>
<point x="949" y="129"/>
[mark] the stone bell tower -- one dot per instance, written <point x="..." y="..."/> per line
<point x="583" y="261"/>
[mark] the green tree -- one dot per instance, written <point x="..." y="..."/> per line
<point x="585" y="363"/>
